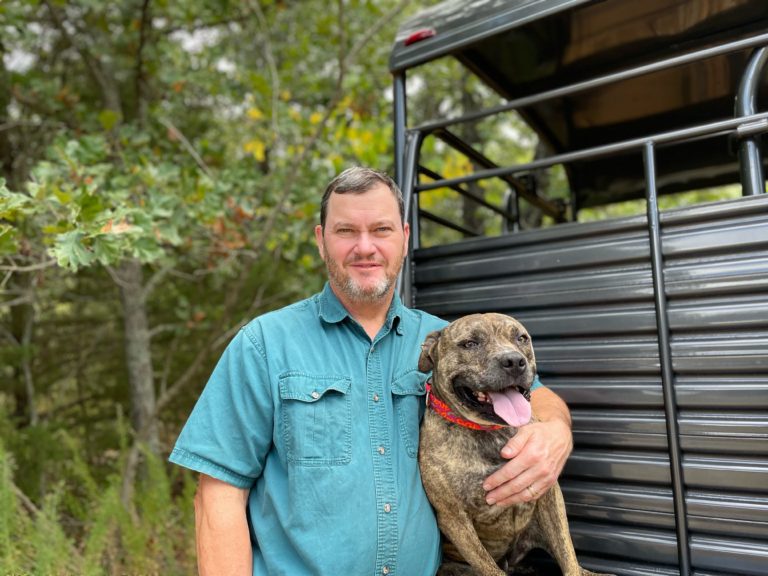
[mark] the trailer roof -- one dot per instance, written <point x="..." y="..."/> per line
<point x="458" y="23"/>
<point x="526" y="48"/>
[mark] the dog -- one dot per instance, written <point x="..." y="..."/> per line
<point x="483" y="367"/>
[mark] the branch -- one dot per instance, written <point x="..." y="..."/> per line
<point x="271" y="63"/>
<point x="160" y="328"/>
<point x="31" y="268"/>
<point x="155" y="280"/>
<point x="17" y="301"/>
<point x="39" y="108"/>
<point x="92" y="63"/>
<point x="24" y="499"/>
<point x="239" y="19"/>
<point x="30" y="123"/>
<point x="140" y="79"/>
<point x="344" y="64"/>
<point x="176" y="133"/>
<point x="116" y="278"/>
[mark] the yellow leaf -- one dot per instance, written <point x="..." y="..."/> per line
<point x="255" y="114"/>
<point x="307" y="261"/>
<point x="257" y="148"/>
<point x="315" y="118"/>
<point x="285" y="95"/>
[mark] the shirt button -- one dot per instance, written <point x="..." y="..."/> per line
<point x="315" y="395"/>
<point x="375" y="397"/>
<point x="387" y="508"/>
<point x="381" y="450"/>
<point x="385" y="570"/>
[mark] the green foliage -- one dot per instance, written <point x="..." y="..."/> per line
<point x="633" y="207"/>
<point x="14" y="525"/>
<point x="195" y="138"/>
<point x="52" y="550"/>
<point x="152" y="534"/>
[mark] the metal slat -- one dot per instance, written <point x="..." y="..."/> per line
<point x="727" y="554"/>
<point x="624" y="542"/>
<point x="622" y="391"/>
<point x="706" y="392"/>
<point x="496" y="264"/>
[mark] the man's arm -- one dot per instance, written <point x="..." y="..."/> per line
<point x="537" y="453"/>
<point x="221" y="526"/>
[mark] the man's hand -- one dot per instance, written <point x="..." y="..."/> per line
<point x="223" y="539"/>
<point x="537" y="453"/>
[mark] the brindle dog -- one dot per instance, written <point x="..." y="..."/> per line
<point x="482" y="370"/>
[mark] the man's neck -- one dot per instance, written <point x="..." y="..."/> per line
<point x="370" y="315"/>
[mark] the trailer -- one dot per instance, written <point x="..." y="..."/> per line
<point x="653" y="327"/>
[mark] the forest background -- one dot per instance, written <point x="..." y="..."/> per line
<point x="161" y="165"/>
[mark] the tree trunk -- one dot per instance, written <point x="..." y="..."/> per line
<point x="22" y="284"/>
<point x="138" y="353"/>
<point x="22" y="327"/>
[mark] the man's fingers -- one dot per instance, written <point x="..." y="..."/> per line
<point x="514" y="491"/>
<point x="515" y="445"/>
<point x="514" y="467"/>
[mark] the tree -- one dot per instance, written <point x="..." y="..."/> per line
<point x="163" y="163"/>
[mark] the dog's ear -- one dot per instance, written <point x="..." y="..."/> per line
<point x="427" y="358"/>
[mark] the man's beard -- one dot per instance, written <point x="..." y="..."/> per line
<point x="354" y="291"/>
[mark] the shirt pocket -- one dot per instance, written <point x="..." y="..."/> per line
<point x="408" y="393"/>
<point x="316" y="414"/>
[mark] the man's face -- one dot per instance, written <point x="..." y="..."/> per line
<point x="363" y="244"/>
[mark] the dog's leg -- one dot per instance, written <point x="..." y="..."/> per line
<point x="552" y="527"/>
<point x="458" y="528"/>
<point x="456" y="524"/>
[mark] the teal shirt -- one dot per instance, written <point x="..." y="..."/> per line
<point x="321" y="424"/>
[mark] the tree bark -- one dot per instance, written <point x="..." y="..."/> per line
<point x="138" y="353"/>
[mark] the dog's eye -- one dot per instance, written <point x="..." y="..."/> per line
<point x="523" y="339"/>
<point x="469" y="344"/>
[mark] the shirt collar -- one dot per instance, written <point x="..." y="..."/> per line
<point x="331" y="310"/>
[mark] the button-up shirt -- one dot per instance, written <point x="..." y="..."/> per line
<point x="321" y="424"/>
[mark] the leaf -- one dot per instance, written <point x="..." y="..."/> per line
<point x="70" y="252"/>
<point x="108" y="119"/>
<point x="257" y="148"/>
<point x="255" y="114"/>
<point x="8" y="239"/>
<point x="12" y="203"/>
<point x="106" y="250"/>
<point x="147" y="250"/>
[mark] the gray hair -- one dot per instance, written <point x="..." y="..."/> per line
<point x="357" y="180"/>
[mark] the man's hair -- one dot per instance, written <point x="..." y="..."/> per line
<point x="357" y="180"/>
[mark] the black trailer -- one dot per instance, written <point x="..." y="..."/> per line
<point x="653" y="327"/>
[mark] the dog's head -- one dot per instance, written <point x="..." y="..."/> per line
<point x="482" y="367"/>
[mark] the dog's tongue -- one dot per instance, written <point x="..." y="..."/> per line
<point x="511" y="407"/>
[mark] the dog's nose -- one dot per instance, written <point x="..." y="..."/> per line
<point x="513" y="362"/>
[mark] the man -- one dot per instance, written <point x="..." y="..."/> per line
<point x="305" y="436"/>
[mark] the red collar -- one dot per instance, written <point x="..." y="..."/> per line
<point x="443" y="410"/>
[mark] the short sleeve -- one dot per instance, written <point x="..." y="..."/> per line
<point x="229" y="431"/>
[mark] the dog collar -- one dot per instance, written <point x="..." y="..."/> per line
<point x="443" y="410"/>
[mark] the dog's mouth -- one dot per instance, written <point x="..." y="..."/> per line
<point x="510" y="406"/>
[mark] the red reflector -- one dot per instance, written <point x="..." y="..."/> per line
<point x="420" y="35"/>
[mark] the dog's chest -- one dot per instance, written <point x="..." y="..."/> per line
<point x="458" y="461"/>
<point x="464" y="458"/>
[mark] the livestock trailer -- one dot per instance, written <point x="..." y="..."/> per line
<point x="652" y="326"/>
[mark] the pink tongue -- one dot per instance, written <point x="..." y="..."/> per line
<point x="511" y="407"/>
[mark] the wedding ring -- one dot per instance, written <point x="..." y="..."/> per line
<point x="532" y="492"/>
